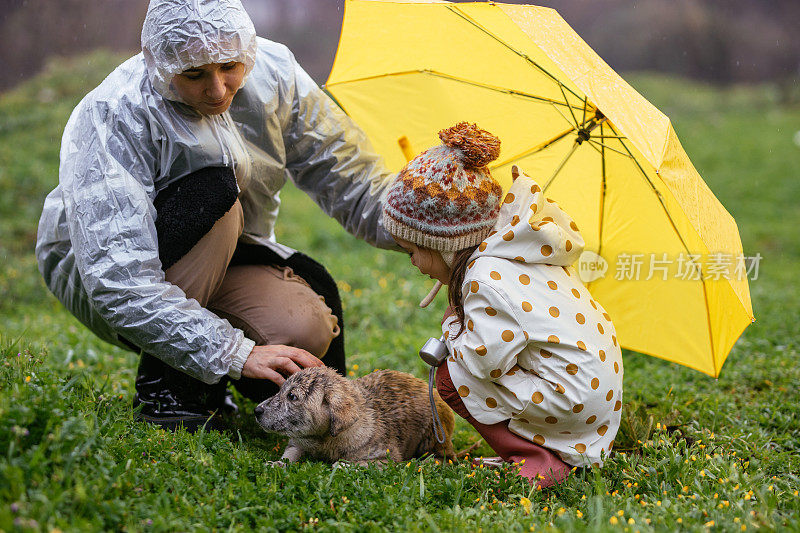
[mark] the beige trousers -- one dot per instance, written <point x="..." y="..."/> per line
<point x="270" y="304"/>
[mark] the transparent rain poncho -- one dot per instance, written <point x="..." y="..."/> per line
<point x="131" y="137"/>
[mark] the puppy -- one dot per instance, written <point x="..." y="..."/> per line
<point x="330" y="418"/>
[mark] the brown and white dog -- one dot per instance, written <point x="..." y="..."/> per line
<point x="385" y="414"/>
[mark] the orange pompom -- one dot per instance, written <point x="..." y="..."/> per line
<point x="479" y="147"/>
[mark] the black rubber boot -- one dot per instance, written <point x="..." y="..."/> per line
<point x="172" y="399"/>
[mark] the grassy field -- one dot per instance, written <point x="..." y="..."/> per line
<point x="697" y="453"/>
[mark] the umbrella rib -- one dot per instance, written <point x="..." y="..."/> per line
<point x="574" y="118"/>
<point x="437" y="74"/>
<point x="602" y="151"/>
<point x="459" y="13"/>
<point x="535" y="149"/>
<point x="623" y="154"/>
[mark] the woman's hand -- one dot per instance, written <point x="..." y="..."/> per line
<point x="271" y="362"/>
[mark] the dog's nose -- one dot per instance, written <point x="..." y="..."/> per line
<point x="260" y="410"/>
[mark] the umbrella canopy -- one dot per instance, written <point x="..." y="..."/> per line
<point x="406" y="69"/>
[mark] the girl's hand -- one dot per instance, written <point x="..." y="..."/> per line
<point x="271" y="362"/>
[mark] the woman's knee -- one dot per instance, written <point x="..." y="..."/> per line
<point x="311" y="326"/>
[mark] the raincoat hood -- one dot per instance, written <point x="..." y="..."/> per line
<point x="532" y="228"/>
<point x="181" y="34"/>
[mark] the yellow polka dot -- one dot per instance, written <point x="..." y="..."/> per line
<point x="595" y="383"/>
<point x="508" y="236"/>
<point x="524" y="279"/>
<point x="553" y="339"/>
<point x="614" y="338"/>
<point x="552" y="284"/>
<point x="551" y="420"/>
<point x="463" y="391"/>
<point x="577" y="408"/>
<point x="509" y="198"/>
<point x="494" y="275"/>
<point x="480" y="350"/>
<point x="547" y="219"/>
<point x="537" y="397"/>
<point x="616" y="367"/>
<point x="535" y="226"/>
<point x="568" y="245"/>
<point x="534" y="208"/>
<point x="572" y="369"/>
<point x="524" y="420"/>
<point x="560" y="388"/>
<point x="544" y="353"/>
<point x="492" y="232"/>
<point x="535" y="188"/>
<point x="610" y="445"/>
<point x="580" y="318"/>
<point x="573" y="225"/>
<point x="482" y="247"/>
<point x="581" y="345"/>
<point x="605" y="315"/>
<point x="593" y="304"/>
<point x="546" y="250"/>
<point x="512" y="371"/>
<point x="580" y="448"/>
<point x="472" y="263"/>
<point x="609" y="395"/>
<point x="602" y="355"/>
<point x="490" y="311"/>
<point x="538" y="440"/>
<point x="566" y="271"/>
<point x="527" y="307"/>
<point x="554" y="312"/>
<point x="551" y="200"/>
<point x="451" y="358"/>
<point x="473" y="286"/>
<point x="515" y="220"/>
<point x="507" y="335"/>
<point x="602" y="430"/>
<point x="496" y="373"/>
<point x="526" y="334"/>
<point x="491" y="402"/>
<point x="600" y="328"/>
<point x="576" y="293"/>
<point x="591" y="419"/>
<point x="519" y="258"/>
<point x="470" y="325"/>
<point x="618" y="405"/>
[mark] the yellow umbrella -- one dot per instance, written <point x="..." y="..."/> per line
<point x="406" y="69"/>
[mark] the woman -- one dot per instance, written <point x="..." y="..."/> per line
<point x="159" y="236"/>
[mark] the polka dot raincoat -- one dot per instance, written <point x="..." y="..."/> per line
<point x="537" y="349"/>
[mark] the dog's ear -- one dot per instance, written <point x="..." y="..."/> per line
<point x="342" y="406"/>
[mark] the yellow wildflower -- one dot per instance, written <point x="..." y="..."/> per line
<point x="526" y="504"/>
<point x="613" y="520"/>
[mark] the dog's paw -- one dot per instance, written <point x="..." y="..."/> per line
<point x="276" y="464"/>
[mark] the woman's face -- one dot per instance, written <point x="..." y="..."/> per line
<point x="210" y="88"/>
<point x="428" y="261"/>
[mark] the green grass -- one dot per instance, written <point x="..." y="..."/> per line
<point x="698" y="453"/>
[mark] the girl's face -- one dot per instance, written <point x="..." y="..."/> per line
<point x="428" y="261"/>
<point x="210" y="88"/>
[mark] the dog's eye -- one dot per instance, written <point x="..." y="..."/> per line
<point x="291" y="397"/>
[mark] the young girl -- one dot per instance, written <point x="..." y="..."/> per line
<point x="534" y="362"/>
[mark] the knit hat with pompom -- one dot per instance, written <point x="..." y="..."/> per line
<point x="445" y="199"/>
